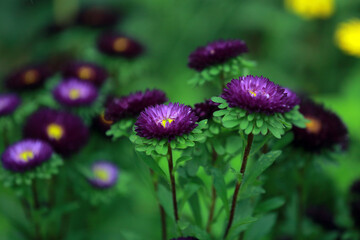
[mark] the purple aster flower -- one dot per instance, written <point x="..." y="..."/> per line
<point x="75" y="93"/>
<point x="97" y="17"/>
<point x="133" y="104"/>
<point x="115" y="44"/>
<point x="26" y="154"/>
<point x="185" y="238"/>
<point x="8" y="103"/>
<point x="28" y="77"/>
<point x="206" y="109"/>
<point x="258" y="94"/>
<point x="64" y="131"/>
<point x="166" y="121"/>
<point x="104" y="174"/>
<point x="215" y="53"/>
<point x="324" y="130"/>
<point x="85" y="71"/>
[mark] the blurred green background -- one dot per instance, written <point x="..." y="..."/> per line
<point x="289" y="50"/>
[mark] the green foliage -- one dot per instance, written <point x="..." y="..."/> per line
<point x="120" y="129"/>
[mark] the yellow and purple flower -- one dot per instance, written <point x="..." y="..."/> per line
<point x="216" y="53"/>
<point x="104" y="174"/>
<point x="115" y="44"/>
<point x="130" y="106"/>
<point x="166" y="121"/>
<point x="64" y="131"/>
<point x="97" y="17"/>
<point x="324" y="130"/>
<point x="75" y="93"/>
<point x="85" y="71"/>
<point x="25" y="155"/>
<point x="206" y="109"/>
<point x="8" y="103"/>
<point x="259" y="94"/>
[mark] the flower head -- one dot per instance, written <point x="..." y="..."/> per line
<point x="64" y="131"/>
<point x="28" y="77"/>
<point x="8" y="103"/>
<point x="347" y="37"/>
<point x="259" y="94"/>
<point x="205" y="109"/>
<point x="104" y="174"/>
<point x="75" y="93"/>
<point x="88" y="72"/>
<point x="115" y="44"/>
<point x="215" y="53"/>
<point x="166" y="121"/>
<point x="25" y="155"/>
<point x="310" y="9"/>
<point x="97" y="17"/>
<point x="325" y="130"/>
<point x="133" y="104"/>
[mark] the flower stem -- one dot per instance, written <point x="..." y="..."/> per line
<point x="172" y="181"/>
<point x="213" y="196"/>
<point x="238" y="183"/>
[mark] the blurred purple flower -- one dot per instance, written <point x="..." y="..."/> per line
<point x="85" y="71"/>
<point x="205" y="109"/>
<point x="8" y="103"/>
<point x="97" y="17"/>
<point x="105" y="174"/>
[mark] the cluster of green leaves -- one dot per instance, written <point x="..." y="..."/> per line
<point x="257" y="123"/>
<point x="122" y="128"/>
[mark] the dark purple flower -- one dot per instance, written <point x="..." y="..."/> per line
<point x="215" y="53"/>
<point x="64" y="131"/>
<point x="325" y="130"/>
<point x="75" y="93"/>
<point x="185" y="238"/>
<point x="104" y="174"/>
<point x="8" y="103"/>
<point x="25" y="155"/>
<point x="115" y="44"/>
<point x="258" y="94"/>
<point x="166" y="121"/>
<point x="97" y="17"/>
<point x="205" y="109"/>
<point x="133" y="104"/>
<point x="85" y="71"/>
<point x="322" y="216"/>
<point x="28" y="77"/>
<point x="102" y="124"/>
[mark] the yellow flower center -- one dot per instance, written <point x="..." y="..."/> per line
<point x="85" y="73"/>
<point x="101" y="174"/>
<point x="55" y="131"/>
<point x="74" y="94"/>
<point x="347" y="37"/>
<point x="102" y="118"/>
<point x="121" y="44"/>
<point x="311" y="8"/>
<point x="252" y="93"/>
<point x="26" y="155"/>
<point x="166" y="122"/>
<point x="313" y="126"/>
<point x="30" y="77"/>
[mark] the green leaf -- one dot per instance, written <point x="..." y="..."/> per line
<point x="218" y="100"/>
<point x="161" y="149"/>
<point x="183" y="159"/>
<point x="231" y="123"/>
<point x="196" y="209"/>
<point x="152" y="164"/>
<point x="244" y="124"/>
<point x="165" y="199"/>
<point x="220" y="113"/>
<point x="261" y="228"/>
<point x="270" y="204"/>
<point x="220" y="186"/>
<point x="219" y="148"/>
<point x="233" y="144"/>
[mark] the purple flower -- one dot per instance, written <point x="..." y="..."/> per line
<point x="215" y="53"/>
<point x="258" y="94"/>
<point x="64" y="131"/>
<point x="75" y="93"/>
<point x="97" y="17"/>
<point x="101" y="123"/>
<point x="85" y="71"/>
<point x="26" y="154"/>
<point x="324" y="130"/>
<point x="185" y="238"/>
<point x="115" y="44"/>
<point x="104" y="174"/>
<point x="8" y="103"/>
<point x="166" y="121"/>
<point x="205" y="109"/>
<point x="28" y="77"/>
<point x="133" y="104"/>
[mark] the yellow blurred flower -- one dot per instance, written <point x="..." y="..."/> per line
<point x="311" y="8"/>
<point x="347" y="37"/>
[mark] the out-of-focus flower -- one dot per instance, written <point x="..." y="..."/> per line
<point x="115" y="44"/>
<point x="64" y="131"/>
<point x="325" y="130"/>
<point x="101" y="123"/>
<point x="310" y="9"/>
<point x="8" y="103"/>
<point x="215" y="53"/>
<point x="259" y="94"/>
<point x="75" y="93"/>
<point x="85" y="71"/>
<point x="166" y="121"/>
<point x="26" y="154"/>
<point x="205" y="110"/>
<point x="347" y="37"/>
<point x="104" y="174"/>
<point x="97" y="17"/>
<point x="28" y="77"/>
<point x="133" y="104"/>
